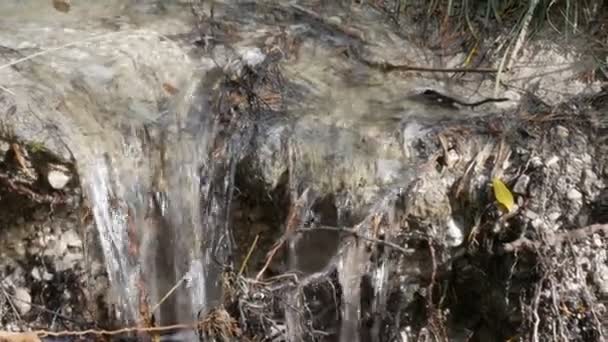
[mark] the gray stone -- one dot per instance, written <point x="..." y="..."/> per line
<point x="334" y="20"/>
<point x="71" y="239"/>
<point x="69" y="261"/>
<point x="531" y="214"/>
<point x="521" y="186"/>
<point x="56" y="248"/>
<point x="562" y="131"/>
<point x="36" y="273"/>
<point x="554" y="216"/>
<point x="552" y="161"/>
<point x="454" y="234"/>
<point x="22" y="300"/>
<point x="574" y="195"/>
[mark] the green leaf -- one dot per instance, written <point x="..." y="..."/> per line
<point x="503" y="194"/>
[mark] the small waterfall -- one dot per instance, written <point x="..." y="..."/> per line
<point x="161" y="205"/>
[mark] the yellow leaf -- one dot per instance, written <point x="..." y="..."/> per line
<point x="503" y="194"/>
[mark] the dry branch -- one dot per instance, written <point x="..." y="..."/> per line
<point x="359" y="236"/>
<point x="554" y="239"/>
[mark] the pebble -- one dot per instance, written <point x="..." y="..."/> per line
<point x="554" y="216"/>
<point x="521" y="186"/>
<point x="562" y="131"/>
<point x="454" y="234"/>
<point x="22" y="300"/>
<point x="334" y="20"/>
<point x="19" y="248"/>
<point x="57" y="179"/>
<point x="531" y="215"/>
<point x="57" y="248"/>
<point x="551" y="161"/>
<point x="36" y="274"/>
<point x="574" y="195"/>
<point x="69" y="261"/>
<point x="71" y="239"/>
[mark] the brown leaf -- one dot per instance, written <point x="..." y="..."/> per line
<point x="62" y="6"/>
<point x="21" y="160"/>
<point x="170" y="88"/>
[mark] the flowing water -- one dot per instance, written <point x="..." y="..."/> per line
<point x="158" y="168"/>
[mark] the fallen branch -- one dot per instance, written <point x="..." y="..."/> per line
<point x="359" y="236"/>
<point x="255" y="241"/>
<point x="554" y="239"/>
<point x="387" y="67"/>
<point x="45" y="333"/>
<point x="23" y="189"/>
<point x="294" y="220"/>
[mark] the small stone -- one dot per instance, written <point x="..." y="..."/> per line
<point x="334" y="20"/>
<point x="22" y="300"/>
<point x="574" y="195"/>
<point x="69" y="261"/>
<point x="531" y="215"/>
<point x="536" y="162"/>
<point x="46" y="230"/>
<point x="71" y="239"/>
<point x="537" y="223"/>
<point x="252" y="56"/>
<point x="521" y="186"/>
<point x="46" y="276"/>
<point x="562" y="131"/>
<point x="552" y="161"/>
<point x="33" y="250"/>
<point x="454" y="234"/>
<point x="19" y="248"/>
<point x="57" y="179"/>
<point x="57" y="248"/>
<point x="554" y="216"/>
<point x="36" y="274"/>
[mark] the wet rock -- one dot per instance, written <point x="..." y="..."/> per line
<point x="71" y="239"/>
<point x="521" y="186"/>
<point x="57" y="179"/>
<point x="22" y="300"/>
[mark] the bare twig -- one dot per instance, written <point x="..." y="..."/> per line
<point x="523" y="32"/>
<point x="8" y="298"/>
<point x="42" y="308"/>
<point x="45" y="333"/>
<point x="294" y="219"/>
<point x="554" y="239"/>
<point x="359" y="236"/>
<point x="387" y="67"/>
<point x="167" y="294"/>
<point x="255" y="241"/>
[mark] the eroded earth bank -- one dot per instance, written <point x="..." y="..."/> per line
<point x="274" y="171"/>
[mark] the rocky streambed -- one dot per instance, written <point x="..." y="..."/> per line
<point x="276" y="171"/>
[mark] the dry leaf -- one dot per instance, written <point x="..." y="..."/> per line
<point x="502" y="194"/>
<point x="62" y="6"/>
<point x="170" y="88"/>
<point x="21" y="160"/>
